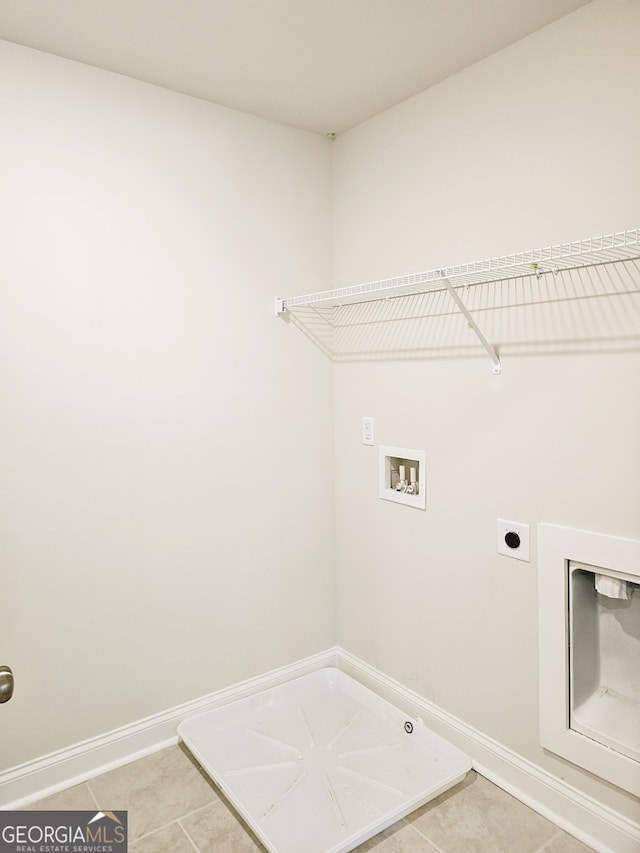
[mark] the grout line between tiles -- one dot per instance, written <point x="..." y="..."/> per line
<point x="154" y="830"/>
<point x="425" y="838"/>
<point x="195" y="811"/>
<point x="165" y="825"/>
<point x="191" y="841"/>
<point x="545" y="846"/>
<point x="95" y="799"/>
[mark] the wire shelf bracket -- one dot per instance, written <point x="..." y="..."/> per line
<point x="497" y="367"/>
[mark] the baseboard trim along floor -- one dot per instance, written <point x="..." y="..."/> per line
<point x="41" y="777"/>
<point x="595" y="824"/>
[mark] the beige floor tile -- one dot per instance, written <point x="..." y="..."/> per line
<point x="478" y="817"/>
<point x="212" y="824"/>
<point x="176" y="808"/>
<point x="236" y="841"/>
<point x="399" y="838"/>
<point x="78" y="798"/>
<point x="170" y="839"/>
<point x="155" y="791"/>
<point x="564" y="843"/>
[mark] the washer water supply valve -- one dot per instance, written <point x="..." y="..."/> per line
<point x="402" y="476"/>
<point x="403" y="485"/>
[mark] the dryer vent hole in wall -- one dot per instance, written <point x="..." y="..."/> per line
<point x="604" y="647"/>
<point x="589" y="651"/>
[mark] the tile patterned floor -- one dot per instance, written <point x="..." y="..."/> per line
<point x="174" y="808"/>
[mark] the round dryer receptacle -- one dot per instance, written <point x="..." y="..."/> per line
<point x="512" y="539"/>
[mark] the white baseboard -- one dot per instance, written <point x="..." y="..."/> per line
<point x="598" y="826"/>
<point x="582" y="816"/>
<point x="29" y="782"/>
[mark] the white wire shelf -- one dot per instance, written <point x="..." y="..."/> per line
<point x="619" y="246"/>
<point x="364" y="320"/>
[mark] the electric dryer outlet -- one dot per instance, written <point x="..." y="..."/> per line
<point x="513" y="539"/>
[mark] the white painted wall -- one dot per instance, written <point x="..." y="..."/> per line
<point x="533" y="146"/>
<point x="166" y="511"/>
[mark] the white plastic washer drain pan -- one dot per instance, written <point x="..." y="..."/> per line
<point x="320" y="764"/>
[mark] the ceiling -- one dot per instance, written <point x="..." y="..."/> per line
<point x="319" y="65"/>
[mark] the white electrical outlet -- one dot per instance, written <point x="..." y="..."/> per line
<point x="367" y="431"/>
<point x="513" y="539"/>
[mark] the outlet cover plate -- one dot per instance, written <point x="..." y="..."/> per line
<point x="513" y="539"/>
<point x="368" y="434"/>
